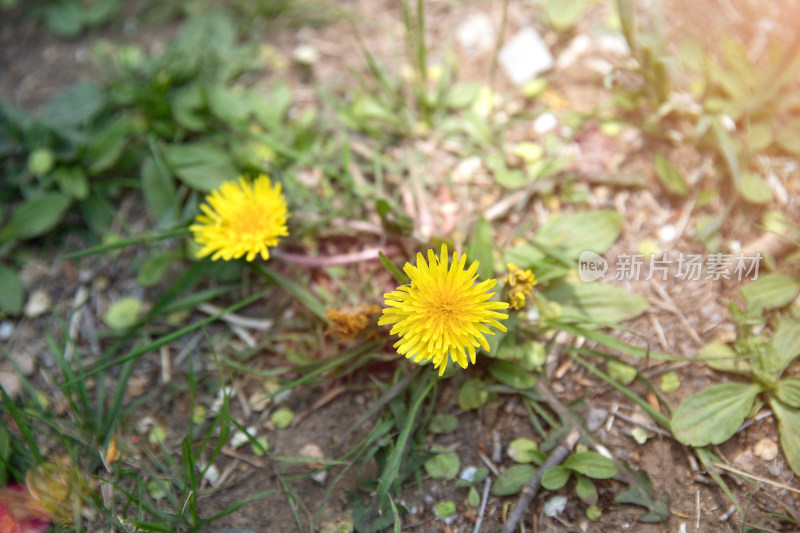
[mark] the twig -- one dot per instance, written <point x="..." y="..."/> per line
<point x="530" y="490"/>
<point x="370" y="254"/>
<point x="760" y="479"/>
<point x="236" y="320"/>
<point x="484" y="499"/>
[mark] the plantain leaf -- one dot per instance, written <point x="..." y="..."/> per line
<point x="512" y="480"/>
<point x="713" y="415"/>
<point x="35" y="217"/>
<point x="789" y="428"/>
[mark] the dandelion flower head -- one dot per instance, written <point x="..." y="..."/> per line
<point x="442" y="313"/>
<point x="241" y="219"/>
<point x="519" y="284"/>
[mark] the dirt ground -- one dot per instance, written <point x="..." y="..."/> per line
<point x="682" y="317"/>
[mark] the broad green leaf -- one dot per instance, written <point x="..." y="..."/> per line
<point x="587" y="230"/>
<point x="754" y="188"/>
<point x="41" y="161"/>
<point x="512" y="480"/>
<point x="152" y="269"/>
<point x="226" y="105"/>
<point x="75" y="106"/>
<point x="713" y="415"/>
<point x="480" y="249"/>
<point x="443" y="466"/>
<point x="788" y="391"/>
<point x="786" y="341"/>
<point x="473" y="497"/>
<point x="670" y="382"/>
<point x="98" y="213"/>
<point x="462" y="94"/>
<point x="640" y="492"/>
<point x="504" y="176"/>
<point x="563" y="14"/>
<point x="35" y="217"/>
<point x="123" y="313"/>
<point x="472" y="395"/>
<point x="591" y="464"/>
<point x="511" y="374"/>
<point x="72" y="181"/>
<point x="720" y="356"/>
<point x="271" y="109"/>
<point x="586" y="490"/>
<point x="187" y="107"/>
<point x="443" y="423"/>
<point x="444" y="509"/>
<point x="766" y="363"/>
<point x="202" y="166"/>
<point x="669" y="175"/>
<point x="64" y="19"/>
<point x="555" y="477"/>
<point x="621" y="372"/>
<point x="789" y="428"/>
<point x="12" y="292"/>
<point x="771" y="291"/>
<point x="788" y="137"/>
<point x="520" y="450"/>
<point x="282" y="417"/>
<point x="106" y="146"/>
<point x="213" y="30"/>
<point x="158" y="187"/>
<point x="597" y="302"/>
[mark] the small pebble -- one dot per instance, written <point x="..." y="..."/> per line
<point x="476" y="33"/>
<point x="525" y="56"/>
<point x="595" y="417"/>
<point x="765" y="449"/>
<point x="544" y="123"/>
<point x="25" y="363"/>
<point x="555" y="506"/>
<point x="38" y="304"/>
<point x="11" y="384"/>
<point x="6" y="329"/>
<point x="667" y="233"/>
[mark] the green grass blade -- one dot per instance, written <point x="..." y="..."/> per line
<point x="398" y="275"/>
<point x="392" y="468"/>
<point x="166" y="339"/>
<point x="299" y="293"/>
<point x="144" y="239"/>
<point x="656" y="415"/>
<point x="19" y="419"/>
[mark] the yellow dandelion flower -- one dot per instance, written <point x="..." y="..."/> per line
<point x="442" y="314"/>
<point x="519" y="285"/>
<point x="241" y="218"/>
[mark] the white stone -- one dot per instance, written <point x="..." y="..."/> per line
<point x="765" y="449"/>
<point x="555" y="506"/>
<point x="38" y="304"/>
<point x="544" y="123"/>
<point x="11" y="384"/>
<point x="525" y="56"/>
<point x="6" y="329"/>
<point x="476" y="33"/>
<point x="468" y="474"/>
<point x="305" y="54"/>
<point x="667" y="233"/>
